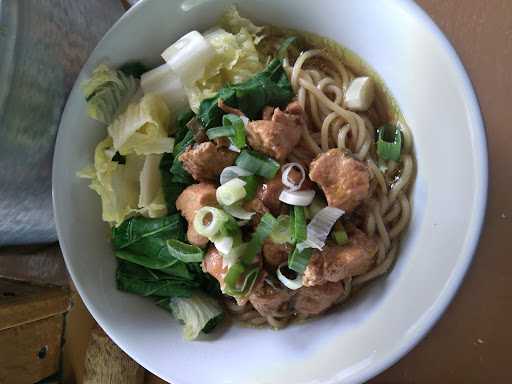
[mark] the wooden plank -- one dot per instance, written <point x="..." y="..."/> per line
<point x="31" y="352"/>
<point x="21" y="303"/>
<point x="79" y="324"/>
<point x="37" y="264"/>
<point x="106" y="363"/>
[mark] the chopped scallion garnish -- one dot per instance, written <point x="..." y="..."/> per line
<point x="257" y="163"/>
<point x="233" y="275"/>
<point x="389" y="143"/>
<point x="238" y="136"/>
<point x="298" y="227"/>
<point x="263" y="230"/>
<point x="298" y="260"/>
<point x="184" y="252"/>
<point x="281" y="233"/>
<point x="215" y="133"/>
<point x="251" y="186"/>
<point x="340" y="236"/>
<point x="208" y="221"/>
<point x="231" y="192"/>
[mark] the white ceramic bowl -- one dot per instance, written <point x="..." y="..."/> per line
<point x="386" y="320"/>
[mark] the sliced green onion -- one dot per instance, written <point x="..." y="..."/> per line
<point x="215" y="219"/>
<point x="340" y="236"/>
<point x="184" y="252"/>
<point x="298" y="227"/>
<point x="223" y="244"/>
<point x="300" y="198"/>
<point x="232" y="257"/>
<point x="231" y="192"/>
<point x="298" y="260"/>
<point x="238" y="212"/>
<point x="281" y="233"/>
<point x="233" y="275"/>
<point x="238" y="136"/>
<point x="230" y="228"/>
<point x="287" y="282"/>
<point x="257" y="163"/>
<point x="215" y="133"/>
<point x="317" y="204"/>
<point x="251" y="186"/>
<point x="263" y="230"/>
<point x="389" y="143"/>
<point x="232" y="172"/>
<point x="246" y="286"/>
<point x="319" y="228"/>
<point x="228" y="237"/>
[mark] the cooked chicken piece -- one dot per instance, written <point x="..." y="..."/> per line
<point x="213" y="263"/>
<point x="190" y="201"/>
<point x="256" y="205"/>
<point x="269" y="301"/>
<point x="314" y="300"/>
<point x="267" y="113"/>
<point x="206" y="161"/>
<point x="275" y="254"/>
<point x="344" y="180"/>
<point x="277" y="137"/>
<point x="269" y="191"/>
<point x="337" y="262"/>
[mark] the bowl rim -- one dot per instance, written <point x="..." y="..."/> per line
<point x="474" y="231"/>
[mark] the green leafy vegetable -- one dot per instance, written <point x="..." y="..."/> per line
<point x="138" y="227"/>
<point x="171" y="189"/>
<point x="263" y="230"/>
<point x="152" y="262"/>
<point x="107" y="93"/>
<point x="179" y="270"/>
<point x="257" y="163"/>
<point x="184" y="139"/>
<point x="270" y="87"/>
<point x="285" y="44"/>
<point x="166" y="288"/>
<point x="216" y="132"/>
<point x="184" y="252"/>
<point x="198" y="313"/>
<point x="389" y="143"/>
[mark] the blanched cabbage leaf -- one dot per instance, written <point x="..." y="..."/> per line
<point x="126" y="189"/>
<point x="232" y="22"/>
<point x="151" y="198"/>
<point x="107" y="93"/>
<point x="198" y="313"/>
<point x="116" y="183"/>
<point x="236" y="58"/>
<point x="143" y="128"/>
